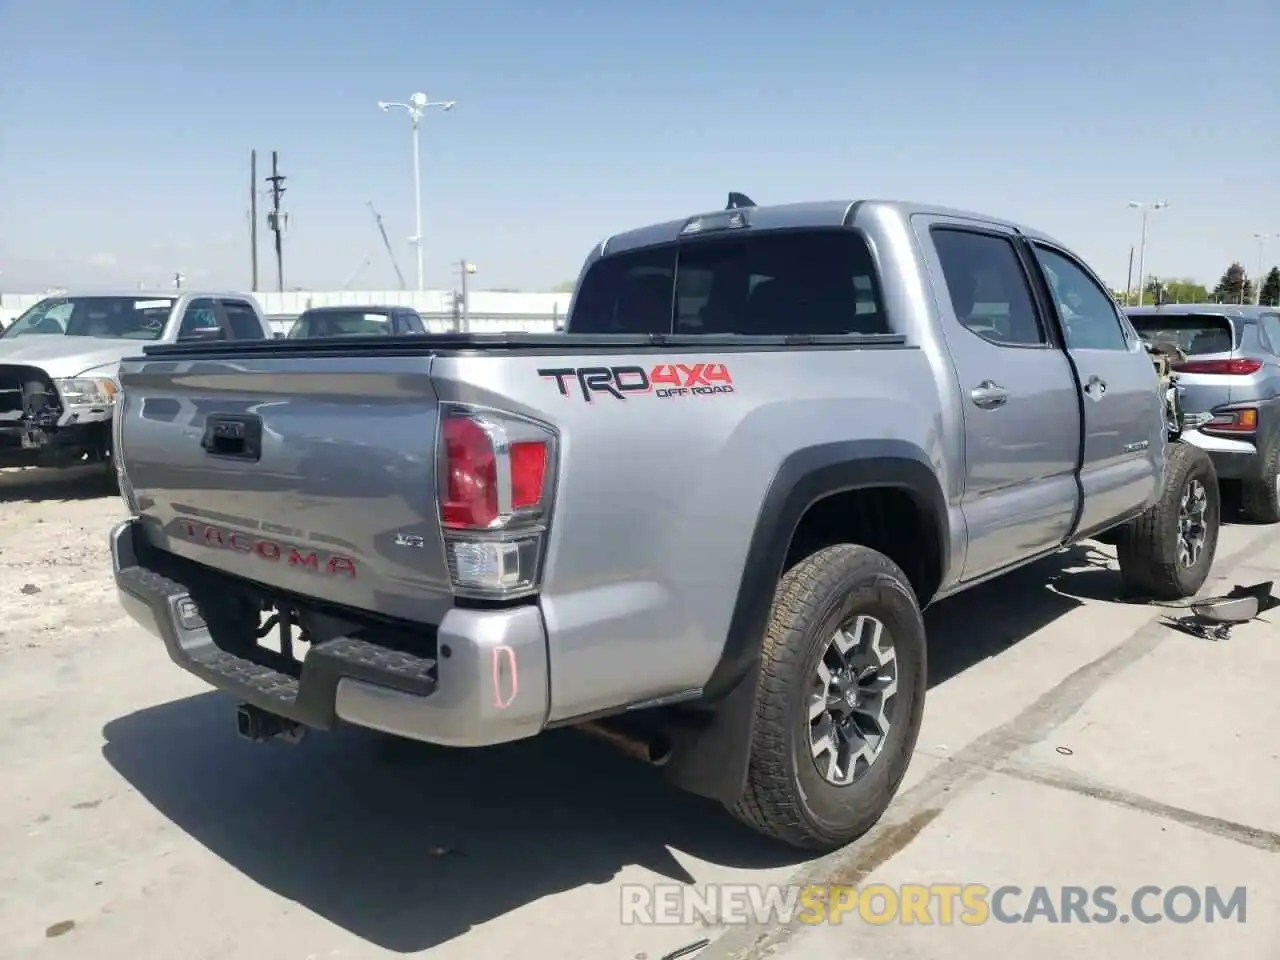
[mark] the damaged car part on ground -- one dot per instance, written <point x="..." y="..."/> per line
<point x="702" y="522"/>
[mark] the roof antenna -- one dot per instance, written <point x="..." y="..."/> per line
<point x="739" y="200"/>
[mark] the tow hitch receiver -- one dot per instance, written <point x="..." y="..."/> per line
<point x="254" y="723"/>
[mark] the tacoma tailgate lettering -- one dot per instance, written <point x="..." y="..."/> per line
<point x="207" y="535"/>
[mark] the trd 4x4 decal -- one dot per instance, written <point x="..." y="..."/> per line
<point x="664" y="380"/>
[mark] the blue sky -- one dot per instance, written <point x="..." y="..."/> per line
<point x="126" y="126"/>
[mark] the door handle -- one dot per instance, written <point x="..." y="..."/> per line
<point x="988" y="395"/>
<point x="1095" y="388"/>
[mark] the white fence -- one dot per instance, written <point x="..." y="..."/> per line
<point x="487" y="311"/>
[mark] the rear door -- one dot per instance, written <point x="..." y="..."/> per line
<point x="1021" y="411"/>
<point x="1124" y="424"/>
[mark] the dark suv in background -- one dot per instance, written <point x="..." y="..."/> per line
<point x="358" y="321"/>
<point x="1229" y="385"/>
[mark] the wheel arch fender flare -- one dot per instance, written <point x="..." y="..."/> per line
<point x="712" y="761"/>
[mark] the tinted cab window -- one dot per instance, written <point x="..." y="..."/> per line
<point x="242" y="320"/>
<point x="766" y="284"/>
<point x="988" y="287"/>
<point x="409" y="322"/>
<point x="1089" y="316"/>
<point x="340" y="323"/>
<point x="200" y="321"/>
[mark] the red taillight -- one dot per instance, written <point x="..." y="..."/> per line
<point x="1232" y="368"/>
<point x="528" y="473"/>
<point x="496" y="484"/>
<point x="488" y="475"/>
<point x="470" y="497"/>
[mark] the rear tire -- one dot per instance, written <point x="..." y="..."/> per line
<point x="1167" y="552"/>
<point x="844" y="593"/>
<point x="1260" y="497"/>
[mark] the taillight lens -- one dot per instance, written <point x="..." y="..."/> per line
<point x="528" y="473"/>
<point x="470" y="495"/>
<point x="1240" y="367"/>
<point x="496" y="472"/>
<point x="1242" y="420"/>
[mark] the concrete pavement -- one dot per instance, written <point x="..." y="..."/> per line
<point x="137" y="825"/>
<point x="1155" y="763"/>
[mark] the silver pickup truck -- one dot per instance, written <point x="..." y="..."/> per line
<point x="701" y="523"/>
<point x="58" y="364"/>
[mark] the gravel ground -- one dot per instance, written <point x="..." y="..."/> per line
<point x="54" y="564"/>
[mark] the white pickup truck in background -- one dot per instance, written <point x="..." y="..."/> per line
<point x="59" y="362"/>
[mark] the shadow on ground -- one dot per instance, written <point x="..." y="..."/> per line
<point x="409" y="846"/>
<point x="36" y="485"/>
<point x="986" y="620"/>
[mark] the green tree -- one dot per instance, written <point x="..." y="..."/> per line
<point x="1235" y="286"/>
<point x="566" y="287"/>
<point x="1271" y="288"/>
<point x="1174" y="290"/>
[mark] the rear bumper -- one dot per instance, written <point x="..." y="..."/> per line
<point x="1232" y="459"/>
<point x="489" y="683"/>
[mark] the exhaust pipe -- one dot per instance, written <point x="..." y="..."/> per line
<point x="258" y="725"/>
<point x="654" y="750"/>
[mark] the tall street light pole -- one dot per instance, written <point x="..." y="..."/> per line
<point x="418" y="105"/>
<point x="1147" y="208"/>
<point x="1262" y="239"/>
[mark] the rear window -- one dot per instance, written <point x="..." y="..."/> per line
<point x="242" y="320"/>
<point x="340" y="323"/>
<point x="1194" y="335"/>
<point x="766" y="284"/>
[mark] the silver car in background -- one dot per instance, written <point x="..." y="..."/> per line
<point x="1229" y="387"/>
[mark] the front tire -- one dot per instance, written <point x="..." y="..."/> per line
<point x="840" y="699"/>
<point x="1167" y="552"/>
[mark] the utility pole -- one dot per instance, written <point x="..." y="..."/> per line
<point x="253" y="215"/>
<point x="276" y="220"/>
<point x="1128" y="286"/>
<point x="177" y="281"/>
<point x="1146" y="209"/>
<point x="466" y="268"/>
<point x="466" y="309"/>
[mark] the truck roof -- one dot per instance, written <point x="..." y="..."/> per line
<point x="359" y="307"/>
<point x="148" y="294"/>
<point x="1200" y="309"/>
<point x="815" y="214"/>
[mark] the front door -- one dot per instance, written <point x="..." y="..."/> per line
<point x="1125" y="431"/>
<point x="1021" y="412"/>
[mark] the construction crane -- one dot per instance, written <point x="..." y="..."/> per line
<point x="386" y="243"/>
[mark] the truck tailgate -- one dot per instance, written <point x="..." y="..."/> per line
<point x="316" y="476"/>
